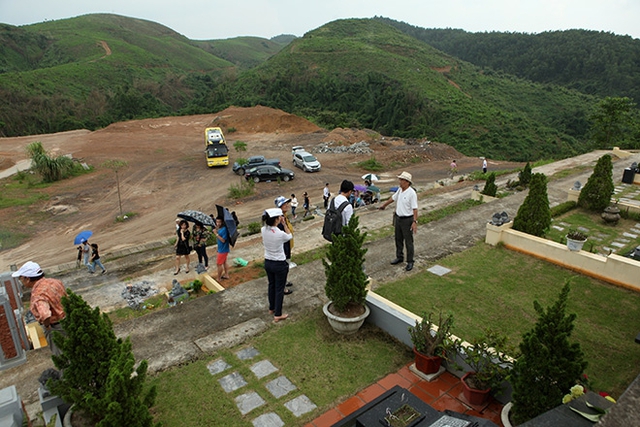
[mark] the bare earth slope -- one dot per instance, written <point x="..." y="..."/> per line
<point x="167" y="173"/>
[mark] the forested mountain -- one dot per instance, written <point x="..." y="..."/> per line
<point x="93" y="70"/>
<point x="593" y="62"/>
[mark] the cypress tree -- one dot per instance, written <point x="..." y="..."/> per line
<point x="596" y="194"/>
<point x="86" y="348"/>
<point x="346" y="282"/>
<point x="525" y="175"/>
<point x="549" y="365"/>
<point x="534" y="215"/>
<point x="490" y="187"/>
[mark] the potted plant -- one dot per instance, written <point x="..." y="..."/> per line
<point x="489" y="367"/>
<point x="575" y="239"/>
<point x="431" y="341"/>
<point x="346" y="282"/>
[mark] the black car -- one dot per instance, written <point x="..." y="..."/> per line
<point x="268" y="173"/>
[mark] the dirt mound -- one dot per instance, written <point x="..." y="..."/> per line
<point x="262" y="120"/>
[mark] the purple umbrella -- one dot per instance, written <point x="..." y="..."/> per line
<point x="360" y="187"/>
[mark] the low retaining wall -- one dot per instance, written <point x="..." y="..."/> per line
<point x="613" y="269"/>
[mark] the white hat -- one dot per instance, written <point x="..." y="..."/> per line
<point x="406" y="176"/>
<point x="281" y="200"/>
<point x="274" y="212"/>
<point x="28" y="269"/>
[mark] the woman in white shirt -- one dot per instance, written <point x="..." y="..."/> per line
<point x="294" y="205"/>
<point x="275" y="261"/>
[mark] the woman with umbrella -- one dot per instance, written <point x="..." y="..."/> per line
<point x="182" y="246"/>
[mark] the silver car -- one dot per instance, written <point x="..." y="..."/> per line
<point x="306" y="161"/>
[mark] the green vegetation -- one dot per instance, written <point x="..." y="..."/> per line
<point x="240" y="146"/>
<point x="612" y="123"/>
<point x="371" y="165"/>
<point x="50" y="168"/>
<point x="436" y="214"/>
<point x="493" y="287"/>
<point x="346" y="366"/>
<point x="549" y="364"/>
<point x="597" y="192"/>
<point x="243" y="189"/>
<point x="534" y="215"/>
<point x="350" y="73"/>
<point x="490" y="187"/>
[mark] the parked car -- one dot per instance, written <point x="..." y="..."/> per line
<point x="252" y="162"/>
<point x="306" y="161"/>
<point x="268" y="173"/>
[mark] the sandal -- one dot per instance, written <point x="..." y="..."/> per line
<point x="276" y="319"/>
<point x="176" y="272"/>
<point x="186" y="271"/>
<point x="288" y="292"/>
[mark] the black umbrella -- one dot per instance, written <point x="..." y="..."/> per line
<point x="197" y="216"/>
<point x="231" y="222"/>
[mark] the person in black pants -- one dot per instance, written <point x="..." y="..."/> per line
<point x="275" y="261"/>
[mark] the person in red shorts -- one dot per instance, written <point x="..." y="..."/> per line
<point x="222" y="238"/>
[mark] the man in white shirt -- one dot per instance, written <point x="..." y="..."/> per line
<point x="346" y="188"/>
<point x="484" y="165"/>
<point x="405" y="218"/>
<point x="326" y="195"/>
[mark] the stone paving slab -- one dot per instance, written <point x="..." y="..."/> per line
<point x="217" y="366"/>
<point x="300" y="405"/>
<point x="247" y="353"/>
<point x="280" y="387"/>
<point x="630" y="235"/>
<point x="248" y="402"/>
<point x="557" y="227"/>
<point x="263" y="368"/>
<point x="232" y="336"/>
<point x="439" y="270"/>
<point x="232" y="382"/>
<point x="270" y="419"/>
<point x="618" y="244"/>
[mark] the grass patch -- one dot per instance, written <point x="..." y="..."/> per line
<point x="495" y="288"/>
<point x="323" y="365"/>
<point x="435" y="215"/>
<point x="371" y="165"/>
<point x="600" y="233"/>
<point x="245" y="188"/>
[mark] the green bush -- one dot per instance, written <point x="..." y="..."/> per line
<point x="245" y="188"/>
<point x="534" y="215"/>
<point x="50" y="168"/>
<point x="490" y="187"/>
<point x="524" y="177"/>
<point x="597" y="192"/>
<point x="240" y="146"/>
<point x="563" y="208"/>
<point x="371" y="165"/>
<point x="253" y="227"/>
<point x="549" y="364"/>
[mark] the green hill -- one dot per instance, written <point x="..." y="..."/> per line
<point x="93" y="70"/>
<point x="361" y="72"/>
<point x="245" y="52"/>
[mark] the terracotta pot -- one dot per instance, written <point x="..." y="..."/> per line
<point x="427" y="364"/>
<point x="474" y="396"/>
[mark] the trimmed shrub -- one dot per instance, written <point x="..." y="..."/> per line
<point x="490" y="187"/>
<point x="534" y="215"/>
<point x="597" y="192"/>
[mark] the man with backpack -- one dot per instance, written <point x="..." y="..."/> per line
<point x="339" y="211"/>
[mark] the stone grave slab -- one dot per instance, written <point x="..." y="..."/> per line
<point x="635" y="230"/>
<point x="557" y="227"/>
<point x="583" y="229"/>
<point x="270" y="419"/>
<point x="280" y="386"/>
<point x="618" y="244"/>
<point x="217" y="366"/>
<point x="608" y="249"/>
<point x="247" y="353"/>
<point x="564" y="224"/>
<point x="263" y="368"/>
<point x="232" y="382"/>
<point x="629" y="235"/>
<point x="248" y="402"/>
<point x="439" y="270"/>
<point x="300" y="405"/>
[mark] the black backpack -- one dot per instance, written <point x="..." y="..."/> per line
<point x="333" y="220"/>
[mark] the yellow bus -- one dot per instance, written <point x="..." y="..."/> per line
<point x="216" y="149"/>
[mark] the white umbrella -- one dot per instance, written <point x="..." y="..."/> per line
<point x="371" y="177"/>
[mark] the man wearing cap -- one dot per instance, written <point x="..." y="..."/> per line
<point x="346" y="188"/>
<point x="405" y="218"/>
<point x="284" y="204"/>
<point x="46" y="300"/>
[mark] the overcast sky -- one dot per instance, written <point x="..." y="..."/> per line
<point x="203" y="20"/>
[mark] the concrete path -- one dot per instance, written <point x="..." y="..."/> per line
<point x="179" y="334"/>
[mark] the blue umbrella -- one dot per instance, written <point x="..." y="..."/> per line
<point x="231" y="222"/>
<point x="83" y="235"/>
